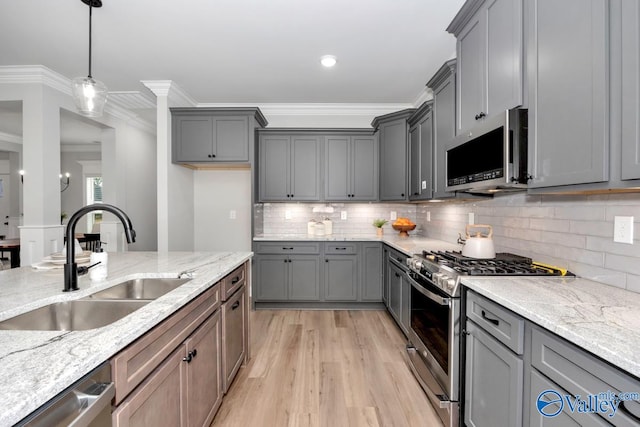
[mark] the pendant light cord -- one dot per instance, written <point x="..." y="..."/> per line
<point x="90" y="32"/>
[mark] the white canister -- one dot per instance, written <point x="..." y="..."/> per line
<point x="311" y="227"/>
<point x="328" y="226"/>
<point x="98" y="272"/>
<point x="319" y="229"/>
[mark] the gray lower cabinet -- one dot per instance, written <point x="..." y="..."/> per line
<point x="421" y="153"/>
<point x="489" y="48"/>
<point x="316" y="272"/>
<point x="351" y="168"/>
<point x="289" y="168"/>
<point x="569" y="102"/>
<point x="493" y="381"/>
<point x="288" y="278"/>
<point x="371" y="272"/>
<point x="393" y="134"/>
<point x="341" y="277"/>
<point x="395" y="292"/>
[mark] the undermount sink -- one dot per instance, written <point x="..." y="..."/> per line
<point x="139" y="289"/>
<point x="77" y="315"/>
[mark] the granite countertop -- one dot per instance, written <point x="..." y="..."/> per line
<point x="601" y="319"/>
<point x="408" y="245"/>
<point x="35" y="366"/>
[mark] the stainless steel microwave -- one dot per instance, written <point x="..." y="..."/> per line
<point x="491" y="157"/>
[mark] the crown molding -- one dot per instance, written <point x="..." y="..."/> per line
<point x="24" y="74"/>
<point x="316" y="109"/>
<point x="39" y="74"/>
<point x="177" y="96"/>
<point x="426" y="94"/>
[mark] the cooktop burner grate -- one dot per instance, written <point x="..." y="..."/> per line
<point x="504" y="264"/>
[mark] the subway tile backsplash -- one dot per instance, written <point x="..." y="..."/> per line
<point x="573" y="232"/>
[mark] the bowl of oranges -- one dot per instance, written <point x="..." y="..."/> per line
<point x="403" y="225"/>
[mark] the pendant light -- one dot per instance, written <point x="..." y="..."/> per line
<point x="89" y="94"/>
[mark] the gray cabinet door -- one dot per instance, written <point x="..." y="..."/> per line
<point x="504" y="52"/>
<point x="471" y="72"/>
<point x="631" y="89"/>
<point x="493" y="382"/>
<point x="395" y="292"/>
<point x="337" y="168"/>
<point x="193" y="138"/>
<point x="304" y="278"/>
<point x="444" y="119"/>
<point x="231" y="139"/>
<point x="405" y="305"/>
<point x="305" y="168"/>
<point x="425" y="188"/>
<point x="341" y="277"/>
<point x="364" y="168"/>
<point x="272" y="277"/>
<point x="371" y="272"/>
<point x="274" y="168"/>
<point x="569" y="100"/>
<point x="414" y="162"/>
<point x="393" y="161"/>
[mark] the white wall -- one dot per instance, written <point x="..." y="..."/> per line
<point x="72" y="198"/>
<point x="216" y="193"/>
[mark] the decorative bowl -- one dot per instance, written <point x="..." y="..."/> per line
<point x="403" y="229"/>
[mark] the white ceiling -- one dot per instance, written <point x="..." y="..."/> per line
<point x="240" y="51"/>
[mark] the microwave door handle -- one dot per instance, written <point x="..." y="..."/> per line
<point x="427" y="293"/>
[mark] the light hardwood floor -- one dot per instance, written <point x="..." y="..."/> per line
<point x="325" y="368"/>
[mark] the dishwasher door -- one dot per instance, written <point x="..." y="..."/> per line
<point x="86" y="403"/>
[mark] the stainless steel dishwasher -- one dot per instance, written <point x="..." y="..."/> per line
<point x="86" y="403"/>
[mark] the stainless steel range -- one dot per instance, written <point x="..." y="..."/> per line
<point x="434" y="335"/>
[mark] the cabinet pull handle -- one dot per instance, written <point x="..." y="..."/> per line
<point x="287" y="249"/>
<point x="189" y="358"/>
<point x="235" y="280"/>
<point x="326" y="260"/>
<point x="209" y="155"/>
<point x="235" y="305"/>
<point x="397" y="275"/>
<point x="213" y="155"/>
<point x="488" y="319"/>
<point x="400" y="260"/>
<point x="416" y="194"/>
<point x="341" y="249"/>
<point x="194" y="353"/>
<point x="402" y="195"/>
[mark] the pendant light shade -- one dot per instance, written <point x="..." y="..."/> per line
<point x="89" y="94"/>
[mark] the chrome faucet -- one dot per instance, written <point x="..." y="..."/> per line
<point x="71" y="267"/>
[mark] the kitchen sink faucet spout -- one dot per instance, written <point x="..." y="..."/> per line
<point x="71" y="267"/>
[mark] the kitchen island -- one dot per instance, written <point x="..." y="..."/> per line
<point x="35" y="366"/>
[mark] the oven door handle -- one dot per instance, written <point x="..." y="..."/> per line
<point x="427" y="293"/>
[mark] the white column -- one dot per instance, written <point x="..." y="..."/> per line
<point x="41" y="233"/>
<point x="175" y="183"/>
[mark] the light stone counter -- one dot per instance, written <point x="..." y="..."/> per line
<point x="602" y="319"/>
<point x="35" y="366"/>
<point x="408" y="245"/>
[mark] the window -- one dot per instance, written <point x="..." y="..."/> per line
<point x="94" y="195"/>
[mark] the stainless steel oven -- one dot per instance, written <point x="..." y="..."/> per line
<point x="434" y="349"/>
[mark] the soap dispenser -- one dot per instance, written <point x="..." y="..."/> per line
<point x="99" y="272"/>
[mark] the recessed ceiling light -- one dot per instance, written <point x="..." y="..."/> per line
<point x="328" y="61"/>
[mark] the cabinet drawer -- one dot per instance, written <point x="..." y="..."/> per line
<point x="397" y="256"/>
<point x="288" y="248"/>
<point x="505" y="326"/>
<point x="582" y="374"/>
<point x="133" y="364"/>
<point x="341" y="248"/>
<point x="233" y="281"/>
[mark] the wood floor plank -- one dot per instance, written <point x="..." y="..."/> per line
<point x="319" y="368"/>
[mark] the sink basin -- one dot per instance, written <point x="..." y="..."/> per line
<point x="138" y="289"/>
<point x="77" y="315"/>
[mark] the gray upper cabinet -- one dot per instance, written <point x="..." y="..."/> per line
<point x="393" y="134"/>
<point x="209" y="135"/>
<point x="351" y="168"/>
<point x="443" y="85"/>
<point x="630" y="24"/>
<point x="489" y="49"/>
<point x="569" y="101"/>
<point x="289" y="168"/>
<point x="421" y="153"/>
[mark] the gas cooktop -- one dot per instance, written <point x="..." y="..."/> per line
<point x="444" y="269"/>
